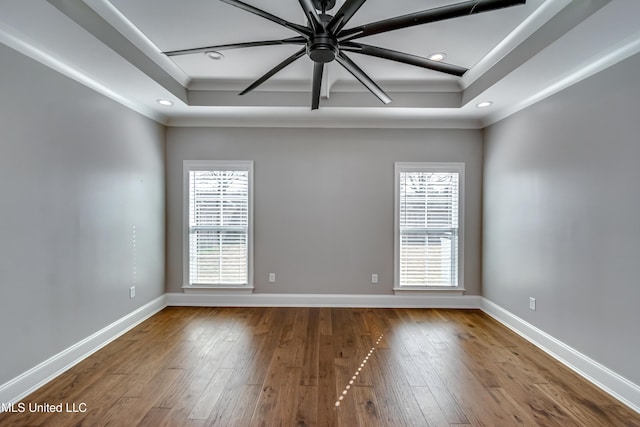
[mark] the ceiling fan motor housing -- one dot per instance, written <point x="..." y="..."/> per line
<point x="324" y="4"/>
<point x="323" y="48"/>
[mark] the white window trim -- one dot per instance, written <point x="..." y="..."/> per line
<point x="189" y="165"/>
<point x="432" y="167"/>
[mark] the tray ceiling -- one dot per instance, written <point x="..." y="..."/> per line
<point x="515" y="57"/>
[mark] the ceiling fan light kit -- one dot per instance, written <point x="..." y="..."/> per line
<point x="324" y="39"/>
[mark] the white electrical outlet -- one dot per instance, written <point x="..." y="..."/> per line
<point x="132" y="292"/>
<point x="532" y="303"/>
<point x="272" y="277"/>
<point x="374" y="278"/>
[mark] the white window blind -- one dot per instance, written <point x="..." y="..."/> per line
<point x="219" y="227"/>
<point x="428" y="228"/>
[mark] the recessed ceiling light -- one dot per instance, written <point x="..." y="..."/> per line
<point x="438" y="56"/>
<point x="212" y="54"/>
<point x="484" y="104"/>
<point x="165" y="102"/>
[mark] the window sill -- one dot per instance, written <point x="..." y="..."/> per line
<point x="217" y="290"/>
<point x="417" y="290"/>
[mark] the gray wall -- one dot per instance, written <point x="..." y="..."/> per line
<point x="561" y="216"/>
<point x="324" y="201"/>
<point x="77" y="172"/>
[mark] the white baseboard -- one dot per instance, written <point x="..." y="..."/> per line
<point x="36" y="377"/>
<point x="322" y="300"/>
<point x="603" y="377"/>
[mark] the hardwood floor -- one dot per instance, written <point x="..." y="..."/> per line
<point x="321" y="367"/>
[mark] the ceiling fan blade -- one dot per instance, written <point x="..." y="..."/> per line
<point x="405" y="58"/>
<point x="351" y="67"/>
<point x="299" y="54"/>
<point x="318" y="68"/>
<point x="431" y="15"/>
<point x="346" y="12"/>
<point x="292" y="40"/>
<point x="312" y="15"/>
<point x="303" y="31"/>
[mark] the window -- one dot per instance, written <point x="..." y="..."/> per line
<point x="428" y="230"/>
<point x="218" y="224"/>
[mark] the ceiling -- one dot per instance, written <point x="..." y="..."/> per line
<point x="516" y="57"/>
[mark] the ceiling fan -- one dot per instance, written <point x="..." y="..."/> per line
<point x="325" y="39"/>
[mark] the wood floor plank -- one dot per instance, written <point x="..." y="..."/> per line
<point x="475" y="400"/>
<point x="305" y="405"/>
<point x="183" y="395"/>
<point x="424" y="368"/>
<point x="154" y="417"/>
<point x="344" y="339"/>
<point x="375" y="321"/>
<point x="514" y="378"/>
<point x="346" y="413"/>
<point x="544" y="411"/>
<point x="565" y="379"/>
<point x="324" y="318"/>
<point x="618" y="416"/>
<point x="273" y="406"/>
<point x="296" y="342"/>
<point x="238" y="410"/>
<point x="62" y="387"/>
<point x="367" y="407"/>
<point x="209" y="398"/>
<point x="234" y="366"/>
<point x="311" y="347"/>
<point x="253" y="365"/>
<point x="127" y="410"/>
<point x="583" y="412"/>
<point x="393" y="391"/>
<point x="286" y="325"/>
<point x="327" y="386"/>
<point x="517" y="413"/>
<point x="266" y="320"/>
<point x="435" y="327"/>
<point x="111" y="384"/>
<point x="447" y="402"/>
<point x="431" y="411"/>
<point x="408" y="345"/>
<point x="412" y="334"/>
